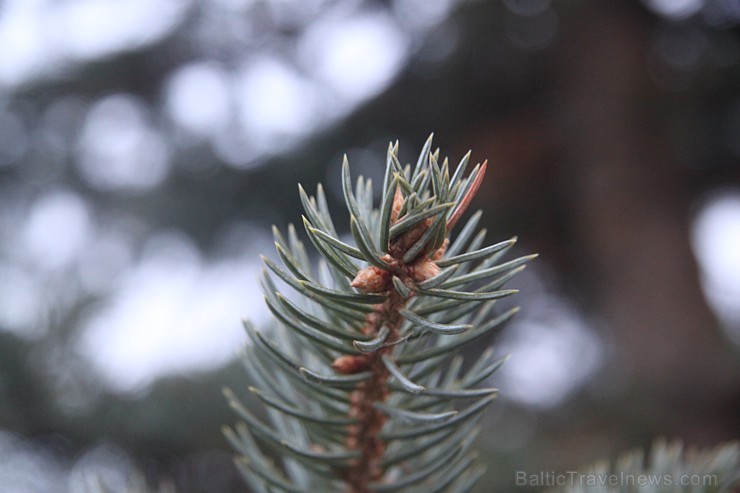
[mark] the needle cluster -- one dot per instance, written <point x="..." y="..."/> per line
<point x="362" y="384"/>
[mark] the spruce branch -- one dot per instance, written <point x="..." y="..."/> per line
<point x="360" y="378"/>
<point x="668" y="467"/>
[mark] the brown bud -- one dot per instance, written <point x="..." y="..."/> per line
<point x="371" y="280"/>
<point x="350" y="364"/>
<point x="413" y="235"/>
<point x="441" y="250"/>
<point x="397" y="204"/>
<point x="400" y="245"/>
<point x="423" y="269"/>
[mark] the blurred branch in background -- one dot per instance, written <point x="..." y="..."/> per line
<point x="145" y="149"/>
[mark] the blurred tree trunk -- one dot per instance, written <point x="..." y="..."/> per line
<point x="633" y="209"/>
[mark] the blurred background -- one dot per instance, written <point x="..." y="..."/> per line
<point x="146" y="147"/>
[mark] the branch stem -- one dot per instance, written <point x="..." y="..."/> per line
<point x="365" y="435"/>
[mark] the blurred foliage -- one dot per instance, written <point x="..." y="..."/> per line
<point x="668" y="468"/>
